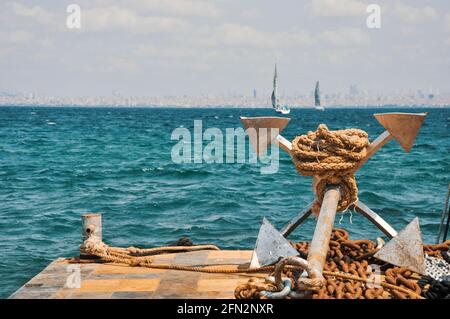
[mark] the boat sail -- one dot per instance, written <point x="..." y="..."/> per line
<point x="317" y="98"/>
<point x="275" y="101"/>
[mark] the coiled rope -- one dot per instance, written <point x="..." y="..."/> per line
<point x="331" y="156"/>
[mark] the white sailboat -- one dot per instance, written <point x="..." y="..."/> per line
<point x="317" y="98"/>
<point x="275" y="101"/>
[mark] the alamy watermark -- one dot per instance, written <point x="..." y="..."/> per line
<point x="74" y="279"/>
<point x="374" y="19"/>
<point x="73" y="20"/>
<point x="226" y="147"/>
<point x="375" y="278"/>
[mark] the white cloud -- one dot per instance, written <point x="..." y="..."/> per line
<point x="336" y="8"/>
<point x="201" y="8"/>
<point x="175" y="57"/>
<point x="235" y="34"/>
<point x="345" y="36"/>
<point x="176" y="38"/>
<point x="35" y="13"/>
<point x="115" y="18"/>
<point x="246" y="36"/>
<point x="12" y="40"/>
<point x="150" y="51"/>
<point x="222" y="43"/>
<point x="410" y="14"/>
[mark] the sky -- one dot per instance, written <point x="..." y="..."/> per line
<point x="193" y="47"/>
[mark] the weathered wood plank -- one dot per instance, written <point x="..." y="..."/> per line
<point x="114" y="281"/>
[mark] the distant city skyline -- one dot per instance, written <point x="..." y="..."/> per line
<point x="152" y="48"/>
<point x="353" y="97"/>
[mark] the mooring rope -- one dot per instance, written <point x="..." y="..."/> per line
<point x="113" y="257"/>
<point x="136" y="257"/>
<point x="347" y="261"/>
<point x="331" y="156"/>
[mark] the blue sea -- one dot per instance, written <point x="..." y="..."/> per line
<point x="57" y="163"/>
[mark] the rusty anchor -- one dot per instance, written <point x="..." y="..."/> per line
<point x="403" y="127"/>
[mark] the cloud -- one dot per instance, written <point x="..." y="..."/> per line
<point x="175" y="57"/>
<point x="195" y="45"/>
<point x="345" y="36"/>
<point x="35" y="13"/>
<point x="115" y="18"/>
<point x="150" y="51"/>
<point x="236" y="34"/>
<point x="201" y="8"/>
<point x="227" y="42"/>
<point x="247" y="36"/>
<point x="413" y="15"/>
<point x="336" y="8"/>
<point x="16" y="40"/>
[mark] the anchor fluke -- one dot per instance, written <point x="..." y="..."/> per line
<point x="403" y="127"/>
<point x="259" y="130"/>
<point x="270" y="246"/>
<point x="406" y="249"/>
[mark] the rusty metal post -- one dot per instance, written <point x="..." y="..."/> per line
<point x="92" y="225"/>
<point x="321" y="239"/>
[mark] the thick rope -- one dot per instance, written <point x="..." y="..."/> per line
<point x="398" y="280"/>
<point x="132" y="256"/>
<point x="136" y="257"/>
<point x="331" y="156"/>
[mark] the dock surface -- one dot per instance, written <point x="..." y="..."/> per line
<point x="111" y="281"/>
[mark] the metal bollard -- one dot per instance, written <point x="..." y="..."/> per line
<point x="92" y="227"/>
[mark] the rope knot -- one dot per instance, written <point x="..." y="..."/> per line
<point x="331" y="156"/>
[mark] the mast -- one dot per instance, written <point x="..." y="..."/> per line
<point x="317" y="94"/>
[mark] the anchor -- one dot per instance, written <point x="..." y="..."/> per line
<point x="272" y="245"/>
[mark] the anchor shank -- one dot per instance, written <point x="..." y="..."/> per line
<point x="322" y="234"/>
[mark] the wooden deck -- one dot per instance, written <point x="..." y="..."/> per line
<point x="109" y="281"/>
